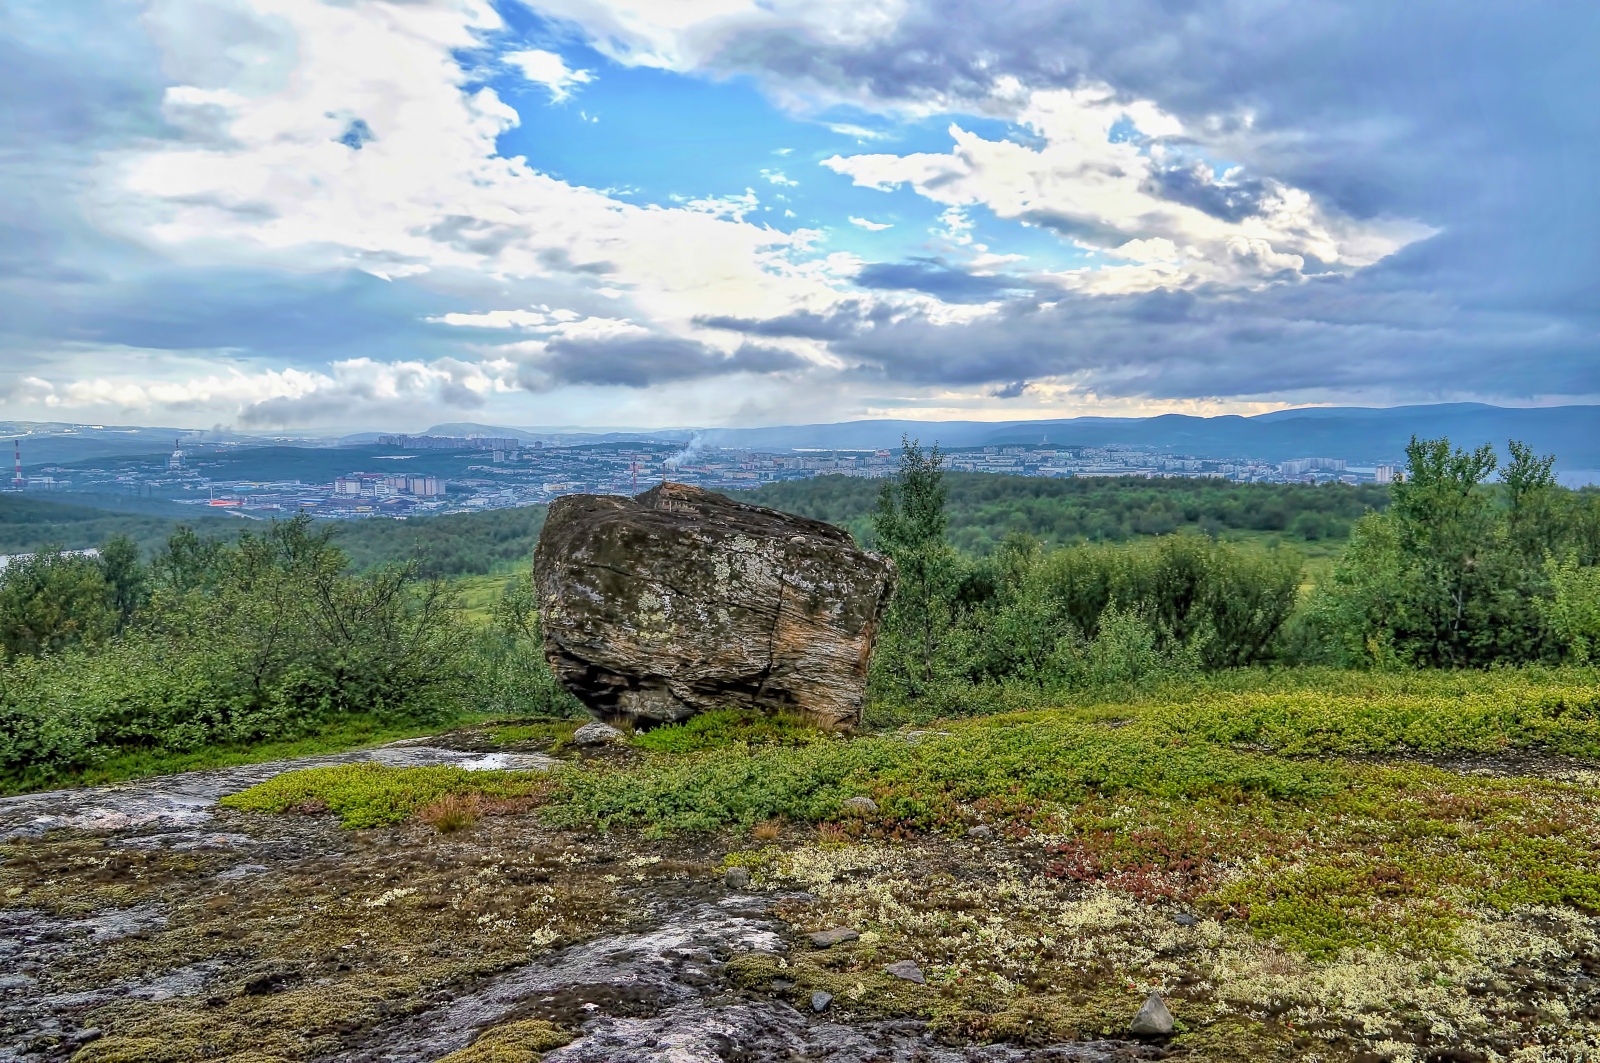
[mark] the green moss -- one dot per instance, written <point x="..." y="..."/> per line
<point x="318" y="948"/>
<point x="513" y="1042"/>
<point x="370" y="795"/>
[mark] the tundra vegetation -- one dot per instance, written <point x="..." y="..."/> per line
<point x="1348" y="818"/>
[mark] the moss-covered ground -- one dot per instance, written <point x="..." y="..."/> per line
<point x="1351" y="868"/>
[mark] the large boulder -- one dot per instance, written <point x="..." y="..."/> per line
<point x="680" y="601"/>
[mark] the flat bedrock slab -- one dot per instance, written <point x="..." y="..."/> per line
<point x="681" y="601"/>
<point x="826" y="939"/>
<point x="186" y="801"/>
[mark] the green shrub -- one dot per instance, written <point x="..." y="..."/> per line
<point x="1572" y="612"/>
<point x="510" y="675"/>
<point x="264" y="639"/>
<point x="1457" y="572"/>
<point x="728" y="727"/>
<point x="51" y="601"/>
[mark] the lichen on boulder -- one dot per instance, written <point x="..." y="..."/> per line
<point x="681" y="601"/>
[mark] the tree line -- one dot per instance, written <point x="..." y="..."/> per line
<point x="982" y="509"/>
<point x="1458" y="571"/>
<point x="275" y="633"/>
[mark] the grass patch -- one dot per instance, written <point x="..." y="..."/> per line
<point x="1013" y="762"/>
<point x="548" y="735"/>
<point x="1436" y="713"/>
<point x="478" y="595"/>
<point x="372" y="795"/>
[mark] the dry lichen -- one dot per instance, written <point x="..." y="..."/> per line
<point x="297" y="961"/>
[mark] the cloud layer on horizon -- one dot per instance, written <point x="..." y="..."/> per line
<point x="297" y="213"/>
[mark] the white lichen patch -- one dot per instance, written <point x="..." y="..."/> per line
<point x="996" y="930"/>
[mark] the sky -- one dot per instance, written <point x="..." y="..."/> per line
<point x="342" y="215"/>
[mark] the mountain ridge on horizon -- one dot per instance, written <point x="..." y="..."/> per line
<point x="1356" y="433"/>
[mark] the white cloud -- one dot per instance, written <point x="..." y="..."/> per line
<point x="1104" y="194"/>
<point x="187" y="387"/>
<point x="778" y="177"/>
<point x="378" y="154"/>
<point x="954" y="226"/>
<point x="859" y="132"/>
<point x="870" y="226"/>
<point x="685" y="34"/>
<point x="550" y="70"/>
<point x="563" y="323"/>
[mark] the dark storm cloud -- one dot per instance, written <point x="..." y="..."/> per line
<point x="1477" y="120"/>
<point x="1349" y="337"/>
<point x="640" y="362"/>
<point x="844" y="320"/>
<point x="1194" y="186"/>
<point x="1087" y="230"/>
<point x="936" y="278"/>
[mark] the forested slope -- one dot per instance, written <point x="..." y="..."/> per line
<point x="460" y="544"/>
<point x="983" y="508"/>
<point x="28" y="524"/>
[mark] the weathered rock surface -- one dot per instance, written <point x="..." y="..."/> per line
<point x="654" y="990"/>
<point x="681" y="601"/>
<point x="826" y="939"/>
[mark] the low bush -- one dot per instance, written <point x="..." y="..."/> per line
<point x="509" y="675"/>
<point x="1077" y="618"/>
<point x="265" y="639"/>
<point x="1156" y="800"/>
<point x="728" y="727"/>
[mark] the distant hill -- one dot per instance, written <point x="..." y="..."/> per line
<point x="1357" y="434"/>
<point x="57" y="443"/>
<point x="459" y="544"/>
<point x="1572" y="433"/>
<point x="566" y="436"/>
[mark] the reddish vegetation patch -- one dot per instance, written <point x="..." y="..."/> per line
<point x="1177" y="859"/>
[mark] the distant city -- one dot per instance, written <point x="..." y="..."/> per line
<point x="403" y="475"/>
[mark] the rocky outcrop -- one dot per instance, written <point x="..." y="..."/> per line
<point x="681" y="601"/>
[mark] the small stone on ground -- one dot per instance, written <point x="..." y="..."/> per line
<point x="595" y="733"/>
<point x="820" y="1001"/>
<point x="980" y="831"/>
<point x="737" y="878"/>
<point x="826" y="939"/>
<point x="860" y="806"/>
<point x="1153" y="1020"/>
<point x="908" y="970"/>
